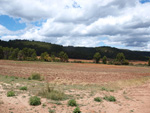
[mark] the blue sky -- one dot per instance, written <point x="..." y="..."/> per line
<point x="118" y="23"/>
<point x="11" y="23"/>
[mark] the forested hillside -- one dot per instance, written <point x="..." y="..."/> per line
<point x="75" y="52"/>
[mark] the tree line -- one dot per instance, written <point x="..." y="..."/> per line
<point x="75" y="52"/>
<point x="119" y="60"/>
<point x="30" y="55"/>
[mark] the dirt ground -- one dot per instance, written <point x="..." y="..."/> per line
<point x="73" y="72"/>
<point x="132" y="92"/>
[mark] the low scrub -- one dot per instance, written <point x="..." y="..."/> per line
<point x="35" y="101"/>
<point x="77" y="110"/>
<point x="23" y="88"/>
<point x="10" y="93"/>
<point x="110" y="98"/>
<point x="36" y="76"/>
<point x="72" y="102"/>
<point x="98" y="99"/>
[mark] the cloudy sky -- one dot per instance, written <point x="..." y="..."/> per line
<point x="90" y="23"/>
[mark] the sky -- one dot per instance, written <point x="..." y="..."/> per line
<point x="90" y="23"/>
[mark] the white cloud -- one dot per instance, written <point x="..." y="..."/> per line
<point x="124" y="23"/>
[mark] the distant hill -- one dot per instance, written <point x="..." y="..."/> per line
<point x="75" y="52"/>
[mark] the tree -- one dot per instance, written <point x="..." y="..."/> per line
<point x="34" y="56"/>
<point x="63" y="56"/>
<point x="6" y="52"/>
<point x="45" y="56"/>
<point x="120" y="57"/>
<point x="53" y="57"/>
<point x="14" y="54"/>
<point x="120" y="60"/>
<point x="104" y="60"/>
<point x="1" y="52"/>
<point x="97" y="57"/>
<point x="21" y="55"/>
<point x="149" y="62"/>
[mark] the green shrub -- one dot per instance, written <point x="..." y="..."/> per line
<point x="36" y="76"/>
<point x="23" y="88"/>
<point x="10" y="93"/>
<point x="72" y="102"/>
<point x="34" y="101"/>
<point x="29" y="78"/>
<point x="125" y="62"/>
<point x="104" y="60"/>
<point x="77" y="110"/>
<point x="97" y="99"/>
<point x="110" y="98"/>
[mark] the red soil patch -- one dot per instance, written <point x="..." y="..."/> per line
<point x="75" y="72"/>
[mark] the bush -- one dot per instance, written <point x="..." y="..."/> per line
<point x="104" y="60"/>
<point x="125" y="62"/>
<point x="36" y="76"/>
<point x="97" y="99"/>
<point x="23" y="88"/>
<point x="34" y="101"/>
<point x="72" y="102"/>
<point x="117" y="63"/>
<point x="110" y="98"/>
<point x="10" y="93"/>
<point x="77" y="110"/>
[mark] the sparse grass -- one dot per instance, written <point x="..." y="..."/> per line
<point x="23" y="88"/>
<point x="10" y="93"/>
<point x="51" y="110"/>
<point x="98" y="99"/>
<point x="72" y="102"/>
<point x="110" y="98"/>
<point x="105" y="89"/>
<point x="35" y="101"/>
<point x="50" y="93"/>
<point x="77" y="110"/>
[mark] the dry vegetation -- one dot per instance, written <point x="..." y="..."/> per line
<point x="129" y="86"/>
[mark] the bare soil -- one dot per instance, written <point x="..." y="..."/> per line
<point x="130" y="98"/>
<point x="74" y="72"/>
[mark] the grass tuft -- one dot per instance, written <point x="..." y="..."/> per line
<point x="35" y="101"/>
<point x="23" y="88"/>
<point x="72" y="102"/>
<point x="10" y="93"/>
<point x="98" y="99"/>
<point x="110" y="98"/>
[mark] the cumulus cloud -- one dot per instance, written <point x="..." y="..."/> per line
<point x="123" y="23"/>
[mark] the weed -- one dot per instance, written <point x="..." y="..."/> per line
<point x="104" y="89"/>
<point x="77" y="110"/>
<point x="110" y="98"/>
<point x="34" y="101"/>
<point x="72" y="102"/>
<point x="97" y="99"/>
<point x="43" y="105"/>
<point x="23" y="88"/>
<point x="10" y="93"/>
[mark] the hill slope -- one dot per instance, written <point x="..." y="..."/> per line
<point x="75" y="52"/>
